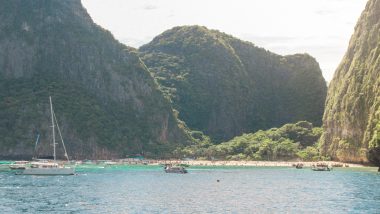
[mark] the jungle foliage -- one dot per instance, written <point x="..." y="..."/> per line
<point x="224" y="86"/>
<point x="289" y="142"/>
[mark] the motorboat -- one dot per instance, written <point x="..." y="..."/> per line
<point x="321" y="167"/>
<point x="175" y="169"/>
<point x="18" y="165"/>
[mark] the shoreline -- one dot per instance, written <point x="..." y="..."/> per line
<point x="153" y="162"/>
<point x="256" y="163"/>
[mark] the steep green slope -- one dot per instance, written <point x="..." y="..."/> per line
<point x="107" y="102"/>
<point x="224" y="86"/>
<point x="351" y="120"/>
<point x="289" y="142"/>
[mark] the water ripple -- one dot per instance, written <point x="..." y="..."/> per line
<point x="150" y="190"/>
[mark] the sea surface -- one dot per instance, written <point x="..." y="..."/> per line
<point x="148" y="189"/>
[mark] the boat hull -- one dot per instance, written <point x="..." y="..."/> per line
<point x="321" y="169"/>
<point x="176" y="170"/>
<point x="48" y="171"/>
<point x="17" y="167"/>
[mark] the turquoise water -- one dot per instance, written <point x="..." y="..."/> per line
<point x="147" y="189"/>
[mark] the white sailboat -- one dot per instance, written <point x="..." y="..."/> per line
<point x="48" y="167"/>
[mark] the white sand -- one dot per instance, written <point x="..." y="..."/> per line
<point x="249" y="163"/>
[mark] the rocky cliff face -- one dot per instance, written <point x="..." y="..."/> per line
<point x="352" y="116"/>
<point x="105" y="98"/>
<point x="225" y="87"/>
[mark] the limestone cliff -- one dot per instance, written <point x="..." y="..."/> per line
<point x="225" y="87"/>
<point x="105" y="98"/>
<point x="351" y="120"/>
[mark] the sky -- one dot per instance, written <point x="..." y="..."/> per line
<point x="321" y="28"/>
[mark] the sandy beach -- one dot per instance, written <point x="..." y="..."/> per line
<point x="253" y="163"/>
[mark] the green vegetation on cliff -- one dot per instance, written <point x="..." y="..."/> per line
<point x="352" y="112"/>
<point x="107" y="102"/>
<point x="224" y="87"/>
<point x="291" y="141"/>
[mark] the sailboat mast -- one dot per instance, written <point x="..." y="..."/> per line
<point x="52" y="125"/>
<point x="35" y="147"/>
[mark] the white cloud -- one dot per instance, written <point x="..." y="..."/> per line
<point x="150" y="7"/>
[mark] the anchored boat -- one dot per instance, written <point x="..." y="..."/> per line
<point x="321" y="167"/>
<point x="17" y="165"/>
<point x="175" y="169"/>
<point x="50" y="167"/>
